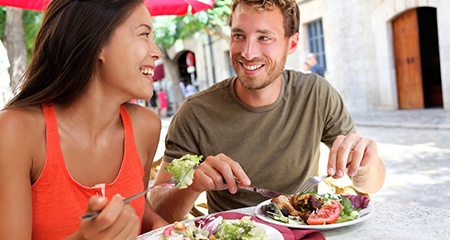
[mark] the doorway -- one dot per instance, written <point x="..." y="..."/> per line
<point x="417" y="63"/>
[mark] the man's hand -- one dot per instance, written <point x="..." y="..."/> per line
<point x="358" y="157"/>
<point x="350" y="153"/>
<point x="218" y="173"/>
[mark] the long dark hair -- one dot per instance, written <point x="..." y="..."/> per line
<point x="67" y="46"/>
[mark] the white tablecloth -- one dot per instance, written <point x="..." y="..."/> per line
<point x="390" y="222"/>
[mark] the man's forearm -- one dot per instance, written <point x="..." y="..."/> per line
<point x="173" y="204"/>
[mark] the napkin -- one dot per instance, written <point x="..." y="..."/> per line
<point x="288" y="233"/>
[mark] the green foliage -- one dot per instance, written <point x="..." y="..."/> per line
<point x="31" y="23"/>
<point x="167" y="28"/>
<point x="2" y="21"/>
<point x="170" y="28"/>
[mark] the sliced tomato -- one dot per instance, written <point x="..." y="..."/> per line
<point x="177" y="228"/>
<point x="167" y="231"/>
<point x="326" y="214"/>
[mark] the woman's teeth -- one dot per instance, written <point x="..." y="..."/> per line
<point x="148" y="72"/>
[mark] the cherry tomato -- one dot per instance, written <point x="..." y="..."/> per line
<point x="326" y="214"/>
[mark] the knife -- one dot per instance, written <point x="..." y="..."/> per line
<point x="264" y="192"/>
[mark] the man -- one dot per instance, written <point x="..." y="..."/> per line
<point x="311" y="60"/>
<point x="263" y="127"/>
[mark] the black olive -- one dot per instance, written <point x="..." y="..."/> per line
<point x="285" y="212"/>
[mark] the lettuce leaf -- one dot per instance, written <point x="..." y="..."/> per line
<point x="182" y="169"/>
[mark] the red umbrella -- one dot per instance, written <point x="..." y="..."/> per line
<point x="177" y="7"/>
<point x="156" y="7"/>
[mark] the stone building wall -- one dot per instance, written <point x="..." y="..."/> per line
<point x="358" y="46"/>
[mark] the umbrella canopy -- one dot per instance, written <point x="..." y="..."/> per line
<point x="156" y="7"/>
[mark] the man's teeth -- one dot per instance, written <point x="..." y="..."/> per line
<point x="148" y="72"/>
<point x="252" y="67"/>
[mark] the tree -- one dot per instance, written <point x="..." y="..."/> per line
<point x="15" y="44"/>
<point x="169" y="29"/>
<point x="18" y="29"/>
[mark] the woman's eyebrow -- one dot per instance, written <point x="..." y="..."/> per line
<point x="146" y="26"/>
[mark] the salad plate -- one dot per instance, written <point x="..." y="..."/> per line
<point x="271" y="233"/>
<point x="364" y="215"/>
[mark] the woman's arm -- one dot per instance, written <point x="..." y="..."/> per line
<point x="16" y="156"/>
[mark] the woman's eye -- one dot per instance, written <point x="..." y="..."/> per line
<point x="146" y="34"/>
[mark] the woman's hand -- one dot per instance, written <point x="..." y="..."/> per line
<point x="115" y="221"/>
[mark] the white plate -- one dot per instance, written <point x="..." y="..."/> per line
<point x="272" y="233"/>
<point x="364" y="215"/>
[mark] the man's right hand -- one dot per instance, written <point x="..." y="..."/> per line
<point x="218" y="173"/>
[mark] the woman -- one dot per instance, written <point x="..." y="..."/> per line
<point x="163" y="103"/>
<point x="70" y="142"/>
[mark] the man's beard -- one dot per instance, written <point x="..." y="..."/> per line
<point x="251" y="82"/>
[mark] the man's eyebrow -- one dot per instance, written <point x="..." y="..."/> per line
<point x="236" y="30"/>
<point x="239" y="30"/>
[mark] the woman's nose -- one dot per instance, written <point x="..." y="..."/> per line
<point x="154" y="51"/>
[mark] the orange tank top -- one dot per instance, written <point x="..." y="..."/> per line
<point x="58" y="200"/>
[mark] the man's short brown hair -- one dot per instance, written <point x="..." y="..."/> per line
<point x="289" y="9"/>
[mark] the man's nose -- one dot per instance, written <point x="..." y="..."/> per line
<point x="250" y="50"/>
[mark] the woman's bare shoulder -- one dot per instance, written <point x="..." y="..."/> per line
<point x="23" y="123"/>
<point x="22" y="142"/>
<point x="143" y="118"/>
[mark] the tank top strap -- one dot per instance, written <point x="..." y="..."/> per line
<point x="131" y="152"/>
<point x="51" y="134"/>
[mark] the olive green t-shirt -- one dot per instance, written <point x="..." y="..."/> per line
<point x="278" y="146"/>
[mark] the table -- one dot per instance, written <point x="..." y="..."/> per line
<point x="391" y="221"/>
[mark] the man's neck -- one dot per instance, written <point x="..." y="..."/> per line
<point x="261" y="97"/>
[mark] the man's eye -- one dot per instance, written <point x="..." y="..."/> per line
<point x="264" y="38"/>
<point x="238" y="36"/>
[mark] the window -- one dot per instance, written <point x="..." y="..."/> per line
<point x="315" y="40"/>
<point x="230" y="67"/>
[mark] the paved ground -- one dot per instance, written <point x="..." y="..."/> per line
<point x="415" y="146"/>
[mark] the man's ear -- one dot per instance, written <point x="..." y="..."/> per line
<point x="293" y="43"/>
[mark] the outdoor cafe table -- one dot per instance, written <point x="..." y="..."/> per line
<point x="390" y="221"/>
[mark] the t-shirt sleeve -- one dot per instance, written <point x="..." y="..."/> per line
<point x="337" y="119"/>
<point x="182" y="135"/>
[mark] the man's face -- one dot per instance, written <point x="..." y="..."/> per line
<point x="311" y="60"/>
<point x="258" y="46"/>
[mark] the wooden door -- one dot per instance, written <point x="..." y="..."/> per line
<point x="407" y="61"/>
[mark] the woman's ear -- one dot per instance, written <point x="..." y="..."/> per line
<point x="101" y="56"/>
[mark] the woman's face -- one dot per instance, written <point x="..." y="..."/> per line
<point x="127" y="62"/>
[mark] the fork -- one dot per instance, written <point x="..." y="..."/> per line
<point x="170" y="184"/>
<point x="92" y="215"/>
<point x="311" y="182"/>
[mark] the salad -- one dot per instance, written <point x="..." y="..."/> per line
<point x="210" y="228"/>
<point x="182" y="169"/>
<point x="315" y="209"/>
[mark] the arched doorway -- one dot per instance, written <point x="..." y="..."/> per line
<point x="417" y="63"/>
<point x="188" y="73"/>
